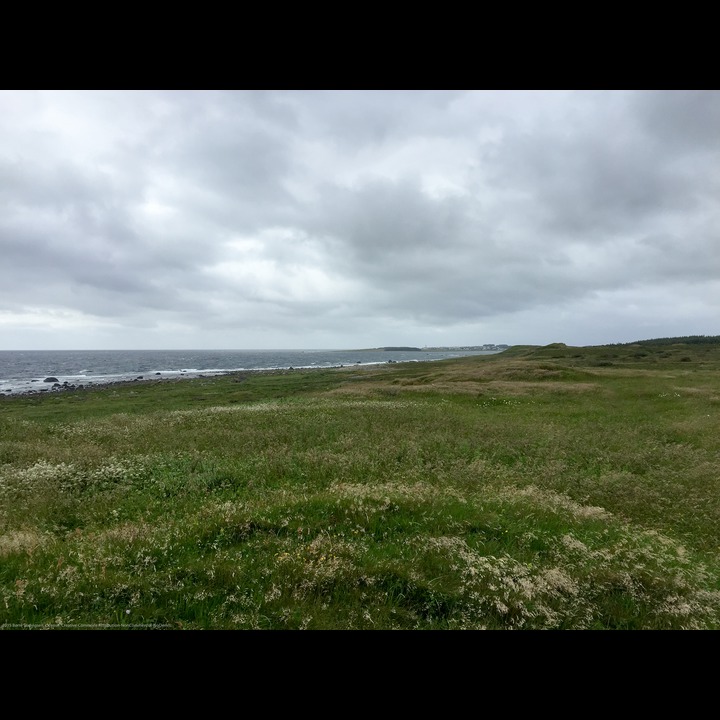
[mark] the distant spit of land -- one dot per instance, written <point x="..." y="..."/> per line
<point x="445" y="348"/>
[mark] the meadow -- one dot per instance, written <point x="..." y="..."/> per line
<point x="542" y="488"/>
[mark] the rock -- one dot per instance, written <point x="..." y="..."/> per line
<point x="51" y="379"/>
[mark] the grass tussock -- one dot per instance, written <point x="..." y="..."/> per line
<point x="533" y="490"/>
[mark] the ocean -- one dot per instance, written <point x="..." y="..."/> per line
<point x="25" y="372"/>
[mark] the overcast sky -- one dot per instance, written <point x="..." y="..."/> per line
<point x="347" y="219"/>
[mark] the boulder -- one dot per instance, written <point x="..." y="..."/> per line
<point x="50" y="379"/>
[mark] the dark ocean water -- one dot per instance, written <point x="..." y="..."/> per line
<point x="27" y="371"/>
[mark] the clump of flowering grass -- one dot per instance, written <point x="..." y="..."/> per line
<point x="53" y="495"/>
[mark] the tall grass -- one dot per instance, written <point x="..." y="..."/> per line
<point x="536" y="489"/>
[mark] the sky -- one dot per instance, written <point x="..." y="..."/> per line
<point x="301" y="219"/>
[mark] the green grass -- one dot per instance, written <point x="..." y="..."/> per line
<point x="541" y="488"/>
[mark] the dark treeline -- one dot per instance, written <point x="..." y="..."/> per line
<point x="686" y="340"/>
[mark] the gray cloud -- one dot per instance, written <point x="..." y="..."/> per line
<point x="681" y="120"/>
<point x="356" y="218"/>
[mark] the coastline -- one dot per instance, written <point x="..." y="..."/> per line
<point x="58" y="388"/>
<point x="38" y="373"/>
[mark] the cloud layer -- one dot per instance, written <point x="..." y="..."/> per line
<point x="338" y="219"/>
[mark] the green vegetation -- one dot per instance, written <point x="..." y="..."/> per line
<point x="686" y="340"/>
<point x="550" y="487"/>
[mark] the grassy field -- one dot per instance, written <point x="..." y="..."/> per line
<point x="540" y="488"/>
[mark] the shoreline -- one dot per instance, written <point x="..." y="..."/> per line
<point x="58" y="388"/>
<point x="35" y="375"/>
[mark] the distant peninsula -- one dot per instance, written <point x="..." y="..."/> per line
<point x="401" y="348"/>
<point x="491" y="347"/>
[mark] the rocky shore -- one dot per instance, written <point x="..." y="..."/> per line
<point x="65" y="387"/>
<point x="52" y="385"/>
